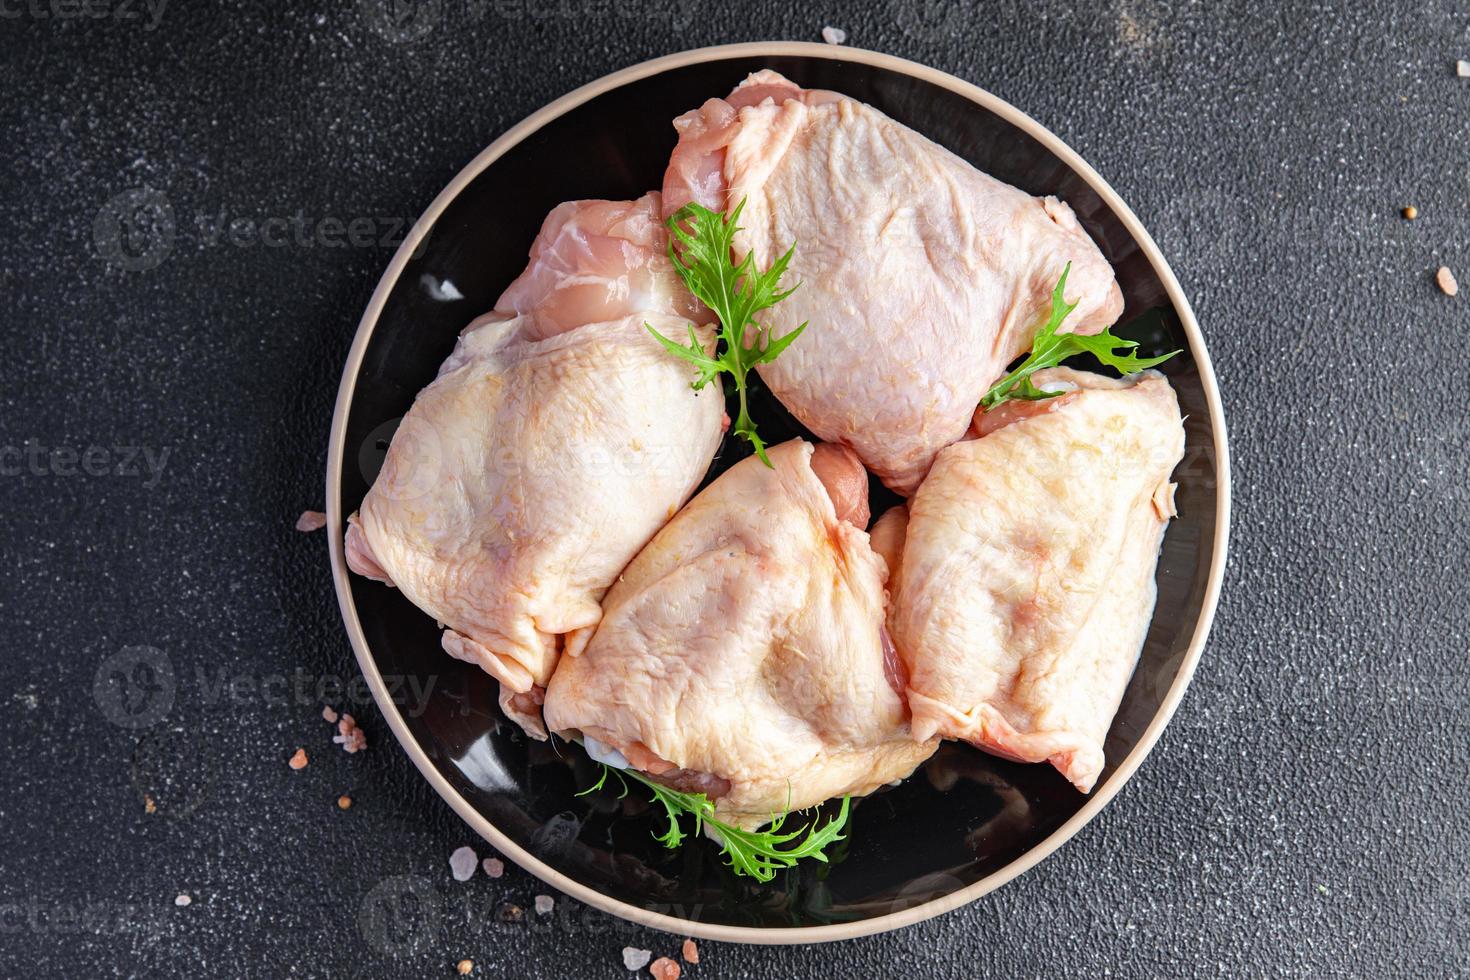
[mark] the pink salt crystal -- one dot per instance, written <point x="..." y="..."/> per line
<point x="462" y="863"/>
<point x="349" y="736"/>
<point x="1446" y="280"/>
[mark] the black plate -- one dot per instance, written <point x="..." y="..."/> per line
<point x="965" y="817"/>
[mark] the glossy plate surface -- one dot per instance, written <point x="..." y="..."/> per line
<point x="965" y="822"/>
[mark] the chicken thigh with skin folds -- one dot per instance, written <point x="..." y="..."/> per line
<point x="742" y="653"/>
<point x="922" y="277"/>
<point x="556" y="440"/>
<point x="1026" y="579"/>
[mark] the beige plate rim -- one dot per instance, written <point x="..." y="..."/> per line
<point x="747" y="934"/>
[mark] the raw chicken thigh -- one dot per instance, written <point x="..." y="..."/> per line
<point x="742" y="653"/>
<point x="922" y="277"/>
<point x="556" y="440"/>
<point x="1026" y="582"/>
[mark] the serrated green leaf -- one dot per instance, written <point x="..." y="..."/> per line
<point x="745" y="429"/>
<point x="1050" y="348"/>
<point x="735" y="293"/>
<point x="758" y="854"/>
<point x="772" y="348"/>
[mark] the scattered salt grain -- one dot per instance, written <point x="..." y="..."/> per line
<point x="690" y="951"/>
<point x="544" y="904"/>
<point x="183" y="900"/>
<point x="298" y="761"/>
<point x="462" y="863"/>
<point x="834" y="35"/>
<point x="665" y="969"/>
<point x="636" y="959"/>
<point x="444" y="291"/>
<point x="1446" y="280"/>
<point x="329" y="714"/>
<point x="494" y="867"/>
<point x="311" y="520"/>
<point x="349" y="736"/>
<point x="1462" y="68"/>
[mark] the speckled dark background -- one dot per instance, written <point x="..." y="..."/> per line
<point x="162" y="427"/>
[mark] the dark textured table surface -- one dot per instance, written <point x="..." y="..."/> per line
<point x="164" y="420"/>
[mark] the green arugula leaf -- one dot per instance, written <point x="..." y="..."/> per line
<point x="602" y="781"/>
<point x="675" y="804"/>
<point x="1051" y="348"/>
<point x="757" y="854"/>
<point x="735" y="293"/>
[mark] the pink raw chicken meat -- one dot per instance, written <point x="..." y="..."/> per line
<point x="1026" y="582"/>
<point x="922" y="277"/>
<point x="556" y="440"/>
<point x="742" y="654"/>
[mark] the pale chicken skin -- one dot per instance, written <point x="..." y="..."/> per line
<point x="743" y="653"/>
<point x="921" y="277"/>
<point x="556" y="440"/>
<point x="1025" y="584"/>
